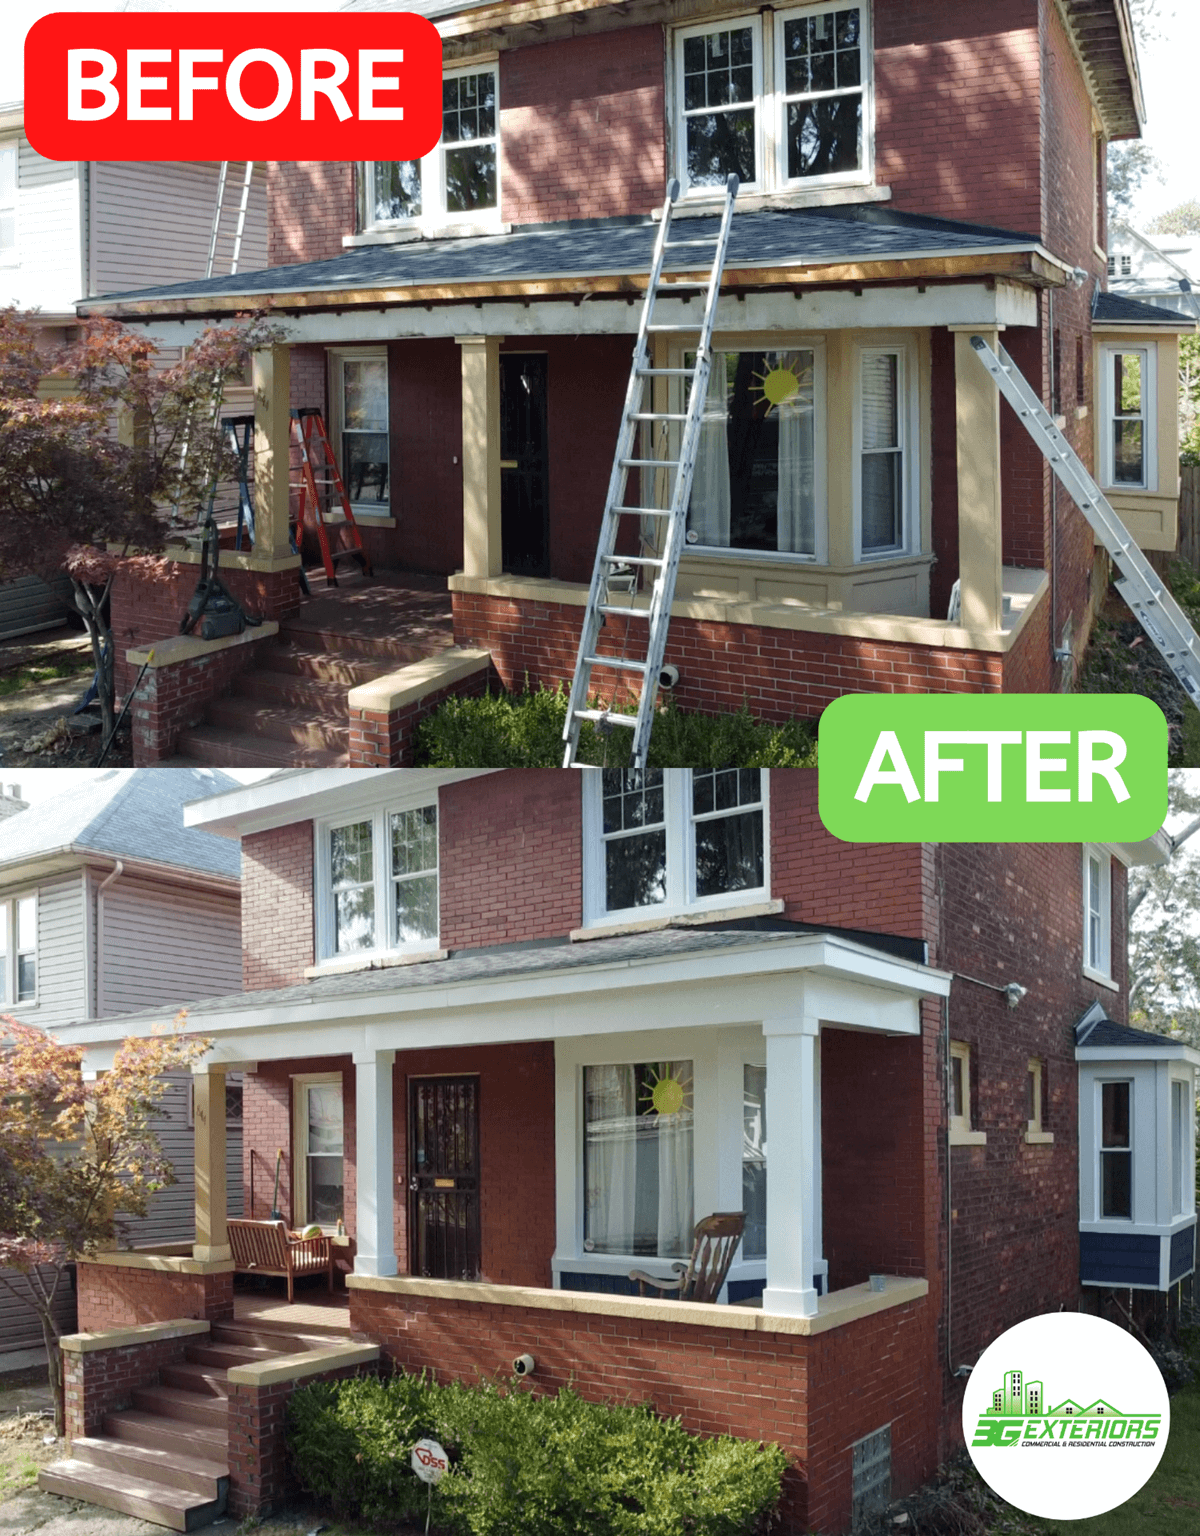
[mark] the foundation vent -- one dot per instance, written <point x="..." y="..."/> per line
<point x="871" y="1476"/>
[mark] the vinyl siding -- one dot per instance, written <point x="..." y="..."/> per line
<point x="171" y="1217"/>
<point x="163" y="945"/>
<point x="48" y="274"/>
<point x="151" y="222"/>
<point x="29" y="604"/>
<point x="61" y="997"/>
<point x="19" y="1326"/>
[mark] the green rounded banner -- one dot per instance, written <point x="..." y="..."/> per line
<point x="992" y="768"/>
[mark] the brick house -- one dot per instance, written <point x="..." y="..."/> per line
<point x="462" y="992"/>
<point x="466" y="321"/>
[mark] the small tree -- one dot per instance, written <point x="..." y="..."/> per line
<point x="1183" y="219"/>
<point x="73" y="1154"/>
<point x="88" y="480"/>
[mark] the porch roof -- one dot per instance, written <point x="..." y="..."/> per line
<point x="853" y="242"/>
<point x="850" y="979"/>
<point x="1120" y="309"/>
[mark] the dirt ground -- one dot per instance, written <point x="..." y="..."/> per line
<point x="36" y="706"/>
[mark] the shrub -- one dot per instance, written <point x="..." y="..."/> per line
<point x="528" y="1463"/>
<point x="525" y="731"/>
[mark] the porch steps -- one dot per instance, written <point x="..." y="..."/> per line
<point x="166" y="1458"/>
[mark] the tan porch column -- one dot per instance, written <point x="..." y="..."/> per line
<point x="978" y="423"/>
<point x="272" y="438"/>
<point x="481" y="455"/>
<point x="212" y="1236"/>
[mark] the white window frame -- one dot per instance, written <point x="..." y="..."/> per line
<point x="9" y="910"/>
<point x="1149" y="351"/>
<point x="327" y="956"/>
<point x="770" y="103"/>
<point x="301" y="1083"/>
<point x="681" y="855"/>
<point x="961" y="1133"/>
<point x="364" y="511"/>
<point x="434" y="214"/>
<point x="10" y="257"/>
<point x="1097" y="966"/>
<point x="1128" y="1080"/>
<point x="908" y="428"/>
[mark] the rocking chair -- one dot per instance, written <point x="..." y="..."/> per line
<point x="702" y="1277"/>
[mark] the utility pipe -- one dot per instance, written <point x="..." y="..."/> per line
<point x="116" y="873"/>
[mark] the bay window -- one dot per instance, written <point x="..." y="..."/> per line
<point x="378" y="883"/>
<point x="881" y="461"/>
<point x="1128" y="440"/>
<point x="1116" y="1151"/>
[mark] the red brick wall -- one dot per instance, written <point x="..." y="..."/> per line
<point x="381" y="738"/>
<point x="310" y="206"/>
<point x="425" y="407"/>
<point x="172" y="698"/>
<point x="112" y="1296"/>
<point x="581" y="127"/>
<point x="814" y="1396"/>
<point x="511" y="851"/>
<point x="516" y="1132"/>
<point x="277" y="906"/>
<point x="103" y="1380"/>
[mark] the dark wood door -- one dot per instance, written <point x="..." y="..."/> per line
<point x="443" y="1177"/>
<point x="524" y="472"/>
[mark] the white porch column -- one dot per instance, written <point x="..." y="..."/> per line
<point x="481" y="455"/>
<point x="376" y="1231"/>
<point x="793" y="1111"/>
<point x="978" y="425"/>
<point x="272" y="450"/>
<point x="208" y="1105"/>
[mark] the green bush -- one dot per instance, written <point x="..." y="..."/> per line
<point x="525" y="1464"/>
<point x="525" y="731"/>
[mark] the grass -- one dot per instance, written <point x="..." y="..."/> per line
<point x="22" y="1452"/>
<point x="29" y="677"/>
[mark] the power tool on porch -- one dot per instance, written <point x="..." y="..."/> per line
<point x="1165" y="623"/>
<point x="213" y="606"/>
<point x="318" y="467"/>
<point x="667" y="490"/>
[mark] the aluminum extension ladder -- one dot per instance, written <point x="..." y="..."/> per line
<point x="1139" y="584"/>
<point x="319" y="475"/>
<point x="615" y="573"/>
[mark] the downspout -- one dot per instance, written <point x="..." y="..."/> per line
<point x="117" y="872"/>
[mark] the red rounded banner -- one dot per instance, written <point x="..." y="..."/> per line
<point x="230" y="85"/>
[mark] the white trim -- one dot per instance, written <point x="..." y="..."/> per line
<point x="301" y="1083"/>
<point x="337" y="358"/>
<point x="1097" y="966"/>
<point x="909" y="432"/>
<point x="757" y="104"/>
<point x="10" y="960"/>
<point x="678" y="822"/>
<point x="378" y="818"/>
<point x="865" y="174"/>
<point x="1149" y="352"/>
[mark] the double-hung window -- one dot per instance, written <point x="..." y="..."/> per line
<point x="319" y="1139"/>
<point x="18" y="950"/>
<point x="8" y="204"/>
<point x="1097" y="914"/>
<point x="379" y="883"/>
<point x="459" y="180"/>
<point x="884" y="524"/>
<point x="360" y="424"/>
<point x="663" y="841"/>
<point x="780" y="99"/>
<point x="1116" y="1151"/>
<point x="1128" y="440"/>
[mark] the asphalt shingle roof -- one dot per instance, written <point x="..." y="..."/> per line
<point x="1119" y="307"/>
<point x="1095" y="1028"/>
<point x="129" y="815"/>
<point x="767" y="238"/>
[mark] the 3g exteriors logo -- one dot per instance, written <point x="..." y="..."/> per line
<point x="1018" y="1416"/>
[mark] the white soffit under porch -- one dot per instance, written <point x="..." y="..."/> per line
<point x="834" y="309"/>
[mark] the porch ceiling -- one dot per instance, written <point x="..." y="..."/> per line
<point x="856" y="243"/>
<point x="669" y="978"/>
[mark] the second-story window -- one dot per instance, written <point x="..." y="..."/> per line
<point x="667" y="840"/>
<point x="459" y="179"/>
<point x="8" y="204"/>
<point x="1097" y="914"/>
<point x="779" y="99"/>
<point x="18" y="950"/>
<point x="379" y="883"/>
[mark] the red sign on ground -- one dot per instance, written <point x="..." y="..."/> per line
<point x="233" y="86"/>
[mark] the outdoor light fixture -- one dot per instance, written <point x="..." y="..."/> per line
<point x="1014" y="992"/>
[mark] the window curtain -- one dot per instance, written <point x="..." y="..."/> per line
<point x="880" y="456"/>
<point x="675" y="1221"/>
<point x="611" y="1191"/>
<point x="710" y="505"/>
<point x="796" y="525"/>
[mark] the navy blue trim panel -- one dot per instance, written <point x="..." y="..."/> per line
<point x="1118" y="1258"/>
<point x="1183" y="1254"/>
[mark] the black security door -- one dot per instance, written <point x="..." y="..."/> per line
<point x="443" y="1177"/>
<point x="524" y="479"/>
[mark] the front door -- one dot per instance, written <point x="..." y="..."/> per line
<point x="524" y="478"/>
<point x="443" y="1177"/>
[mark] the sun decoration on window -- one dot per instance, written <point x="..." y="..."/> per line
<point x="663" y="1094"/>
<point x="780" y="384"/>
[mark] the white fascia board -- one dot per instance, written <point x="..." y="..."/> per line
<point x="830" y="978"/>
<point x="875" y="308"/>
<point x="1170" y="1050"/>
<point x="312" y="794"/>
<point x="57" y="861"/>
<point x="1151" y="850"/>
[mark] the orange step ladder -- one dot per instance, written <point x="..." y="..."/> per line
<point x="318" y="468"/>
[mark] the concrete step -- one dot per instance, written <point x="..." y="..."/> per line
<point x="204" y="1380"/>
<point x="175" y="1435"/>
<point x="294" y="659"/>
<point x="225" y="1355"/>
<point x="313" y="635"/>
<point x="212" y="746"/>
<point x="157" y="1502"/>
<point x="154" y="1464"/>
<point x="279" y="722"/>
<point x="191" y="1407"/>
<point x="327" y="700"/>
<point x="277" y="1341"/>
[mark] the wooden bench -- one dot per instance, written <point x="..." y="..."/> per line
<point x="266" y="1248"/>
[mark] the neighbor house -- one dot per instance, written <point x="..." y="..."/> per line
<point x="911" y="176"/>
<point x="107" y="903"/>
<point x="520" y="1032"/>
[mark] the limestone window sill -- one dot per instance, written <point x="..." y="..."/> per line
<point x="967" y="1138"/>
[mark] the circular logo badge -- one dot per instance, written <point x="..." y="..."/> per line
<point x="1066" y="1416"/>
